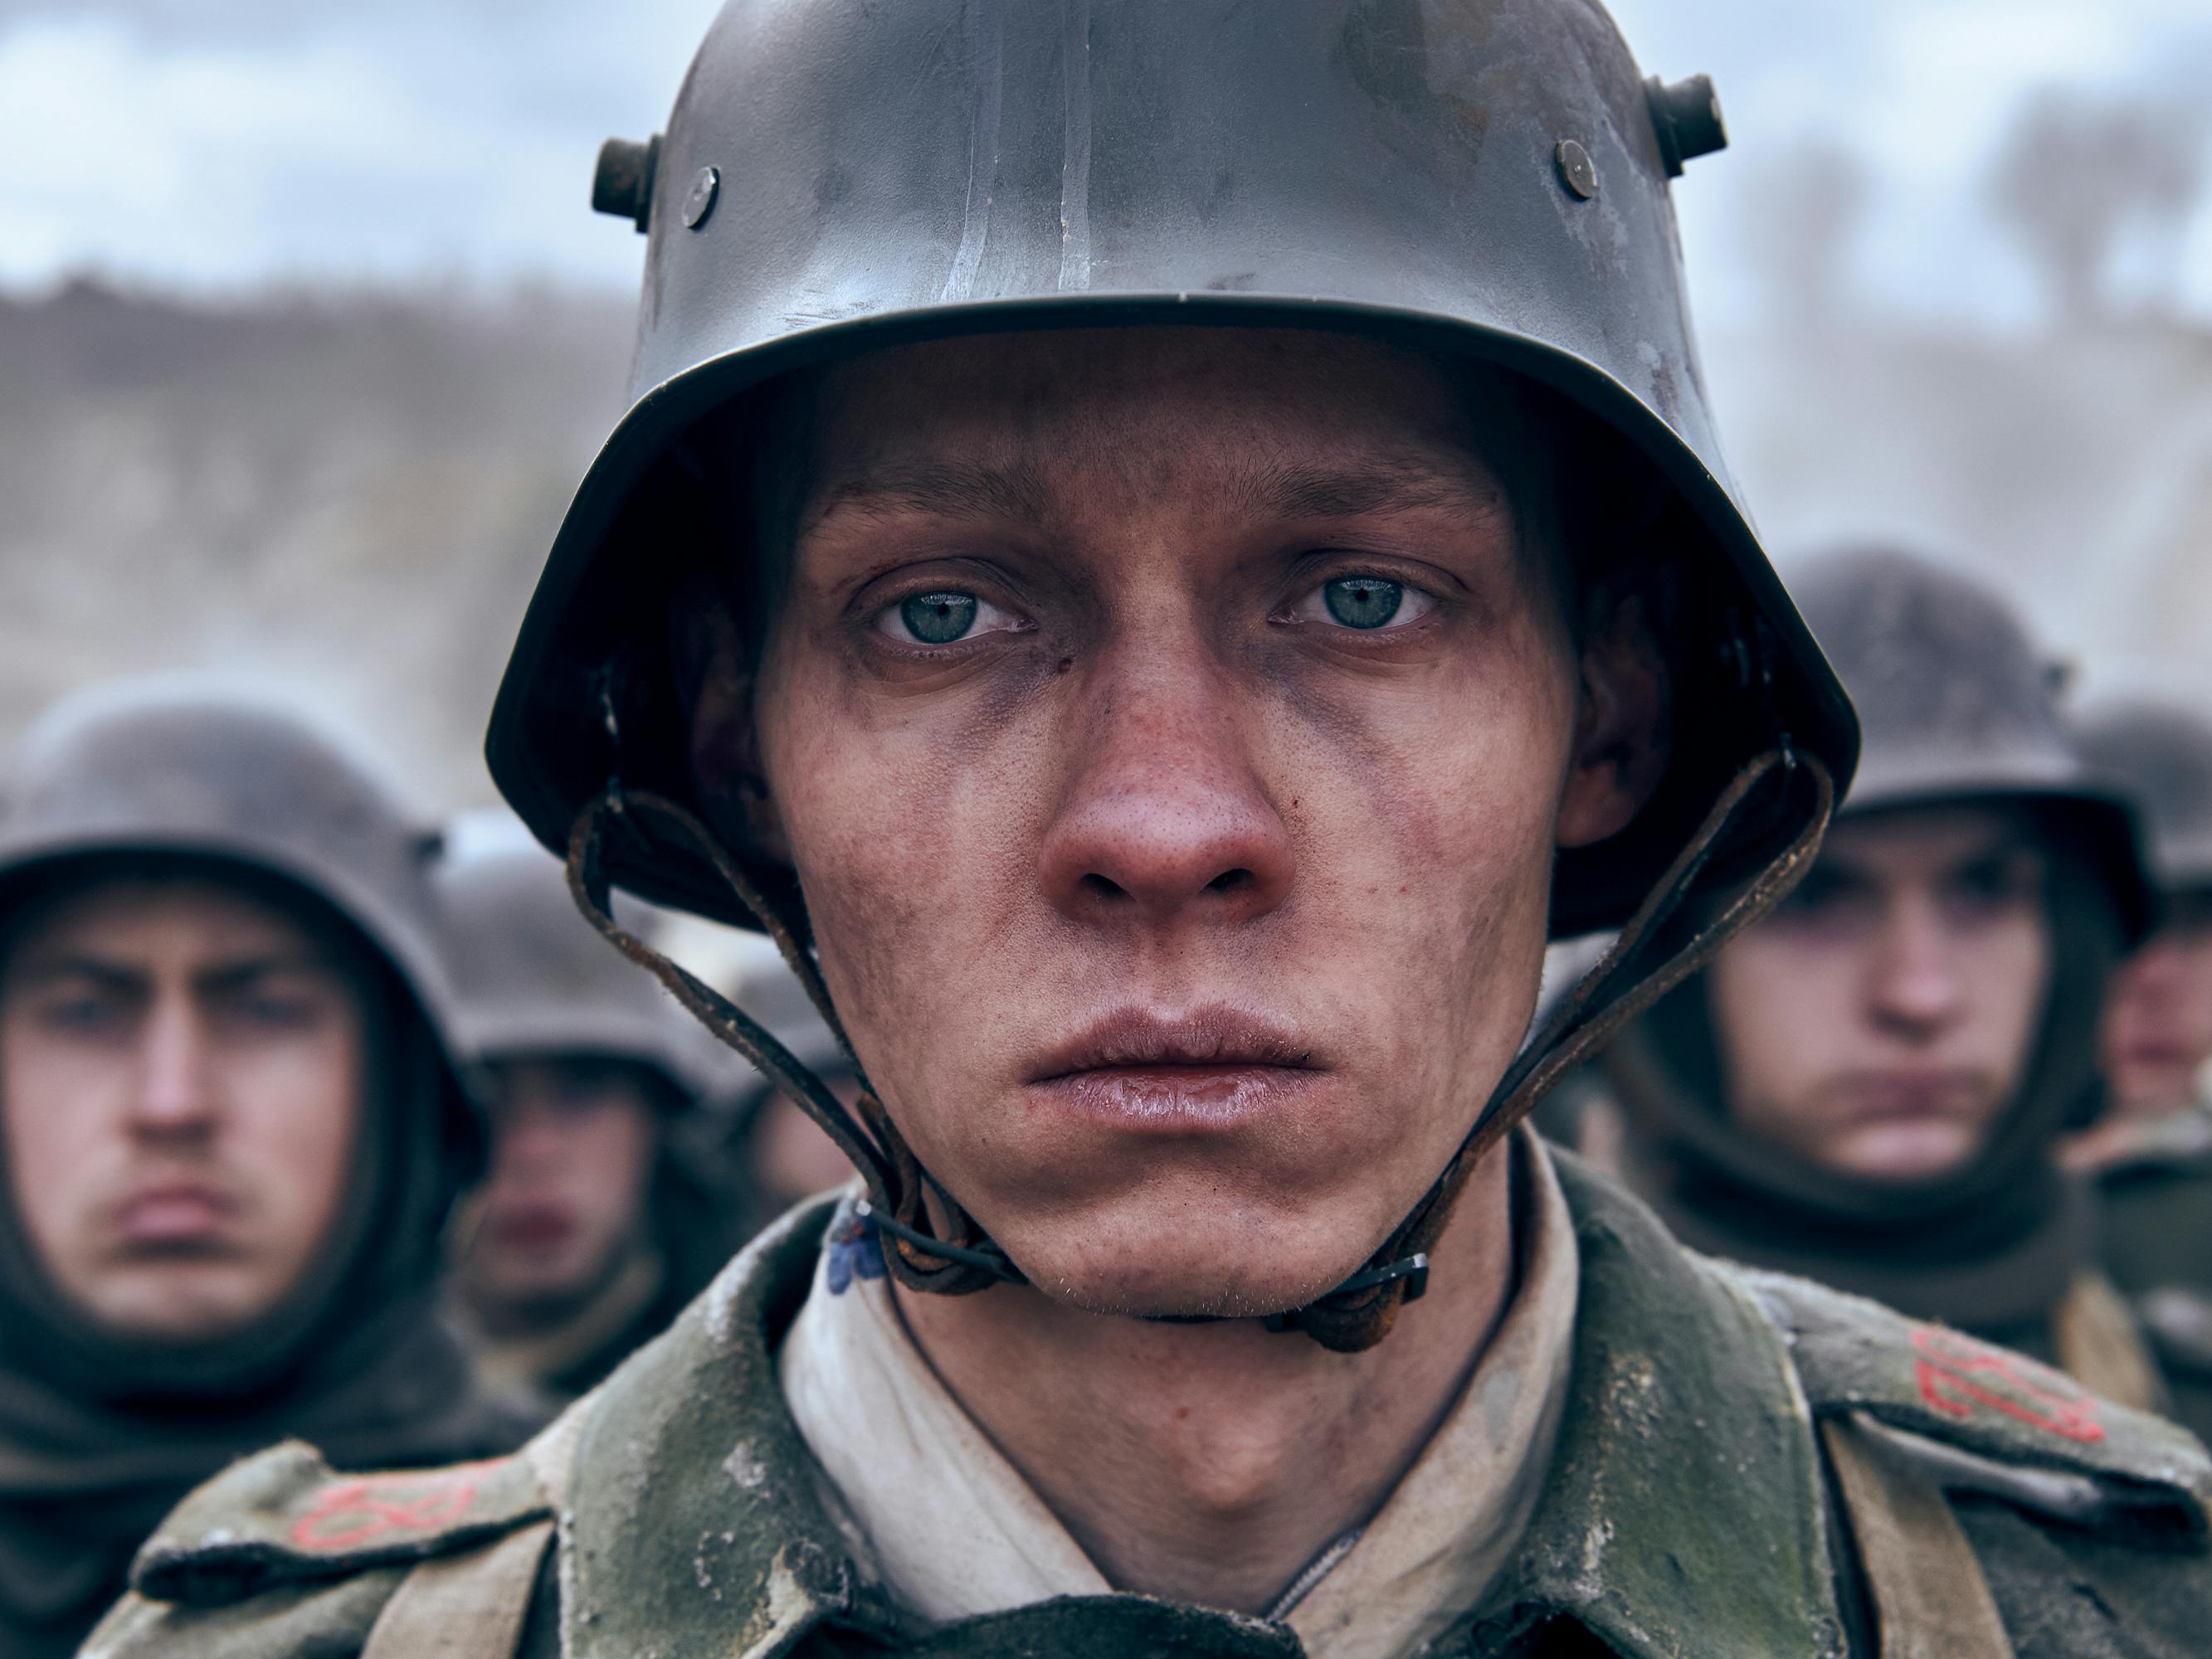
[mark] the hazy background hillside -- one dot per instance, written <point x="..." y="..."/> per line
<point x="345" y="498"/>
<point x="350" y="337"/>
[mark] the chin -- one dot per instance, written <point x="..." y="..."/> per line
<point x="1910" y="1156"/>
<point x="180" y="1309"/>
<point x="1156" y="1261"/>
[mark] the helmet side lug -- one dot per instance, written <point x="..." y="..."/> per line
<point x="623" y="184"/>
<point x="1687" y="117"/>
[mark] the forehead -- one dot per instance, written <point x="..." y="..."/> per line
<point x="1151" y="407"/>
<point x="1907" y="841"/>
<point x="144" y="919"/>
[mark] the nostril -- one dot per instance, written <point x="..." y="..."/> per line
<point x="1231" y="881"/>
<point x="1098" y="886"/>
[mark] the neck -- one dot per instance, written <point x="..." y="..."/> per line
<point x="1211" y="1463"/>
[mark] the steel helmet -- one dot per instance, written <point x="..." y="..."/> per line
<point x="532" y="977"/>
<point x="165" y="767"/>
<point x="1957" y="703"/>
<point x="1483" y="180"/>
<point x="2161" y="754"/>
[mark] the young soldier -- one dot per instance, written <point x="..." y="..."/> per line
<point x="1867" y="1087"/>
<point x="230" y="1128"/>
<point x="593" y="1227"/>
<point x="2151" y="1154"/>
<point x="1163" y="553"/>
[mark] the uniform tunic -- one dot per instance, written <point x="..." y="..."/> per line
<point x="1692" y="1505"/>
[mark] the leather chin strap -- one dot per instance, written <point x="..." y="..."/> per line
<point x="932" y="1244"/>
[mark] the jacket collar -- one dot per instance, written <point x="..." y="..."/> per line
<point x="1686" y="1510"/>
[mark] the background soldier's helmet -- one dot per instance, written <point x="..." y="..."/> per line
<point x="1956" y="703"/>
<point x="533" y="979"/>
<point x="1485" y="181"/>
<point x="163" y="768"/>
<point x="2161" y="754"/>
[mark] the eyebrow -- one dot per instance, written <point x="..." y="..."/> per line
<point x="36" y="969"/>
<point x="944" y="490"/>
<point x="1019" y="493"/>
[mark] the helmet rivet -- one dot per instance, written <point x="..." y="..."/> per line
<point x="700" y="201"/>
<point x="1578" y="171"/>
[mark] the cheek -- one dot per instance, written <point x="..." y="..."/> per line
<point x="2013" y="967"/>
<point x="58" y="1136"/>
<point x="293" y="1112"/>
<point x="1781" y="1008"/>
<point x="612" y="1160"/>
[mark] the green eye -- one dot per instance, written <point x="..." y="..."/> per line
<point x="1363" y="601"/>
<point x="939" y="618"/>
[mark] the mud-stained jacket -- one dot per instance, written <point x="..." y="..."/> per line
<point x="1749" y="1465"/>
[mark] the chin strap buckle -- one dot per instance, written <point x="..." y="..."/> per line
<point x="1413" y="1269"/>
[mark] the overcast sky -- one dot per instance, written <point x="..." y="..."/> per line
<point x="223" y="144"/>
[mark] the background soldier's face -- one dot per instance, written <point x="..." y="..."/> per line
<point x="1172" y="731"/>
<point x="2157" y="1037"/>
<point x="1880" y="1022"/>
<point x="572" y="1145"/>
<point x="181" y="1068"/>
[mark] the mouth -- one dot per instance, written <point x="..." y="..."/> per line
<point x="1878" y="1097"/>
<point x="1207" y="1070"/>
<point x="170" y="1214"/>
<point x="534" y="1227"/>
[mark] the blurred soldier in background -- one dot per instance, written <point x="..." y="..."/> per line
<point x="233" y="1132"/>
<point x="2157" y="1037"/>
<point x="1867" y="1088"/>
<point x="2151" y="1152"/>
<point x="607" y="1207"/>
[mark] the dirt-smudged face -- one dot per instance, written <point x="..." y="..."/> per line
<point x="1172" y="730"/>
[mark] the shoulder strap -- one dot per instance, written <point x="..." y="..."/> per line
<point x="1930" y="1599"/>
<point x="471" y="1606"/>
<point x="2100" y="1345"/>
<point x="474" y="1605"/>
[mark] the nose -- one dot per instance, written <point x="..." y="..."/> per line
<point x="176" y="1093"/>
<point x="1916" y="988"/>
<point x="1165" y="820"/>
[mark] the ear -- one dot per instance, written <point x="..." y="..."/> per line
<point x="1624" y="722"/>
<point x="725" y="746"/>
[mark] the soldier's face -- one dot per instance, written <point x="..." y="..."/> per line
<point x="1882" y="1019"/>
<point x="1172" y="731"/>
<point x="2157" y="1036"/>
<point x="181" y="1068"/>
<point x="572" y="1145"/>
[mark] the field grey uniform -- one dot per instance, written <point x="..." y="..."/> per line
<point x="1744" y="1465"/>
<point x="100" y="1434"/>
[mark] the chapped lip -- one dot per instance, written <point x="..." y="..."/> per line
<point x="1215" y="1036"/>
